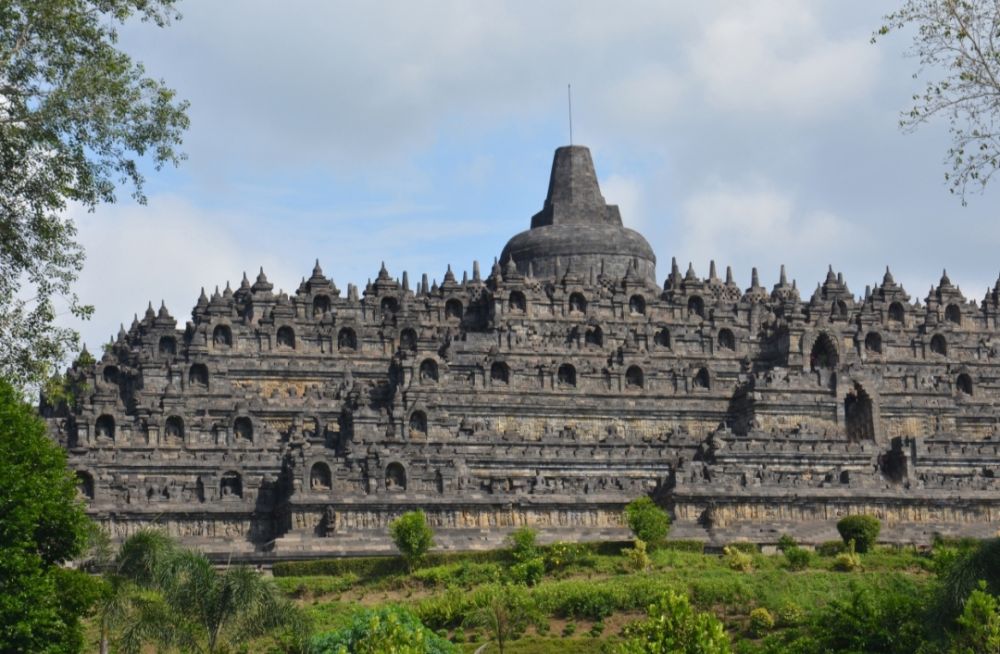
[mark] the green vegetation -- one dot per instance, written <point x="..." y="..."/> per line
<point x="41" y="526"/>
<point x="862" y="529"/>
<point x="647" y="521"/>
<point x="673" y="626"/>
<point x="77" y="115"/>
<point x="386" y="629"/>
<point x="412" y="536"/>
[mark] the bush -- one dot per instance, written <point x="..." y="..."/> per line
<point x="786" y="542"/>
<point x="862" y="529"/>
<point x="636" y="558"/>
<point x="412" y="536"/>
<point x="673" y="626"/>
<point x="561" y="555"/>
<point x="966" y="571"/>
<point x="647" y="520"/>
<point x="831" y="548"/>
<point x="745" y="546"/>
<point x="373" y="567"/>
<point x="597" y="629"/>
<point x="888" y="617"/>
<point x="761" y="622"/>
<point x="386" y="629"/>
<point x="848" y="560"/>
<point x="528" y="572"/>
<point x="737" y="560"/>
<point x="797" y="558"/>
<point x="569" y="629"/>
<point x="978" y="627"/>
<point x="790" y="614"/>
<point x="523" y="544"/>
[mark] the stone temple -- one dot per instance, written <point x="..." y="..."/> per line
<point x="564" y="383"/>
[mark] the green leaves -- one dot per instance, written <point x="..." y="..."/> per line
<point x="955" y="45"/>
<point x="647" y="520"/>
<point x="76" y="117"/>
<point x="41" y="525"/>
<point x="412" y="535"/>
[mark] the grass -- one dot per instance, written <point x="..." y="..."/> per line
<point x="598" y="587"/>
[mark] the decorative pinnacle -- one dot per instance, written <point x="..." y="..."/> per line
<point x="690" y="275"/>
<point x="887" y="279"/>
<point x="782" y="279"/>
<point x="317" y="271"/>
<point x="754" y="278"/>
<point x="729" y="275"/>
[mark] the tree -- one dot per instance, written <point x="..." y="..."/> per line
<point x="42" y="524"/>
<point x="674" y="627"/>
<point x="386" y="629"/>
<point x="159" y="593"/>
<point x="647" y="520"/>
<point x="955" y="41"/>
<point x="504" y="611"/>
<point x="412" y="536"/>
<point x="862" y="529"/>
<point x="76" y="117"/>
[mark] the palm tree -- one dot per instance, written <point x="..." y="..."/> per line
<point x="159" y="593"/>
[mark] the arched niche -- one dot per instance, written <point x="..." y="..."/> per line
<point x="167" y="345"/>
<point x="859" y="415"/>
<point x="104" y="427"/>
<point x="873" y="343"/>
<point x="727" y="340"/>
<point x="702" y="380"/>
<point x="517" y="303"/>
<point x="661" y="338"/>
<point x="823" y="355"/>
<point x="897" y="314"/>
<point x="173" y="431"/>
<point x="321" y="305"/>
<point x="696" y="306"/>
<point x="395" y="477"/>
<point x="577" y="303"/>
<point x="320" y="478"/>
<point x="230" y="485"/>
<point x="838" y="310"/>
<point x="953" y="314"/>
<point x="594" y="336"/>
<point x="428" y="371"/>
<point x="499" y="373"/>
<point x="389" y="306"/>
<point x="347" y="340"/>
<point x="285" y="338"/>
<point x="566" y="375"/>
<point x="453" y="310"/>
<point x="85" y="484"/>
<point x="963" y="384"/>
<point x="110" y="375"/>
<point x="198" y="375"/>
<point x="939" y="345"/>
<point x="222" y="336"/>
<point x="637" y="305"/>
<point x="634" y="378"/>
<point x="418" y="423"/>
<point x="243" y="429"/>
<point x="408" y="340"/>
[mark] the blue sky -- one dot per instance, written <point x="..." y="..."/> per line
<point x="421" y="134"/>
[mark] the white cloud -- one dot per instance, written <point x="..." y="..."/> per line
<point x="773" y="56"/>
<point x="626" y="192"/>
<point x="753" y="224"/>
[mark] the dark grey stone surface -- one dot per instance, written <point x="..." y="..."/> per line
<point x="548" y="393"/>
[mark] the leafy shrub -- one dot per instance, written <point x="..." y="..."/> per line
<point x="412" y="536"/>
<point x="636" y="558"/>
<point x="647" y="520"/>
<point x="978" y="627"/>
<point x="797" y="558"/>
<point x="831" y="548"/>
<point x="561" y="555"/>
<point x="569" y="629"/>
<point x="695" y="546"/>
<point x="744" y="546"/>
<point x="737" y="559"/>
<point x="862" y="529"/>
<point x="964" y="574"/>
<point x="528" y="572"/>
<point x="458" y="636"/>
<point x="445" y="609"/>
<point x="848" y="560"/>
<point x="597" y="629"/>
<point x="790" y="614"/>
<point x="888" y="617"/>
<point x="761" y="621"/>
<point x="786" y="542"/>
<point x="372" y="567"/>
<point x="385" y="629"/>
<point x="463" y="574"/>
<point x="523" y="544"/>
<point x="673" y="626"/>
